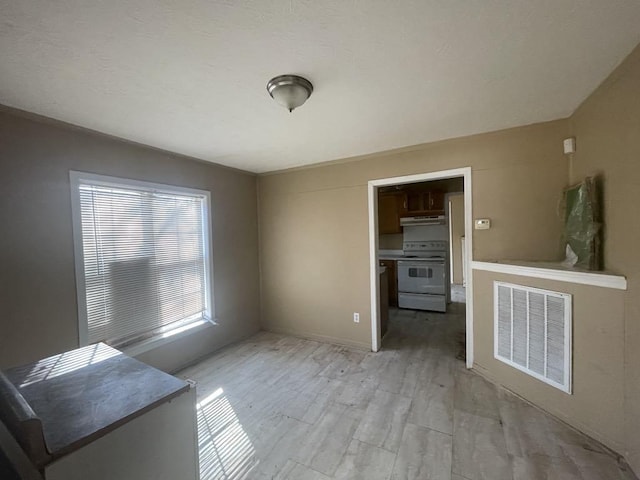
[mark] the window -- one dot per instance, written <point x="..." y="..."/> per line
<point x="143" y="259"/>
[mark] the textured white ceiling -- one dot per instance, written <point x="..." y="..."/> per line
<point x="189" y="76"/>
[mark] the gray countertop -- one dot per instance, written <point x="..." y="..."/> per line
<point x="83" y="394"/>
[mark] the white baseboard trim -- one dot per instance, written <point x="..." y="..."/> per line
<point x="319" y="338"/>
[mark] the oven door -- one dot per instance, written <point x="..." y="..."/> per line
<point x="421" y="277"/>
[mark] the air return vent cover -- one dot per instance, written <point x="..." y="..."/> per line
<point x="532" y="332"/>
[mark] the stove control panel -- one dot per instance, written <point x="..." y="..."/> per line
<point x="426" y="245"/>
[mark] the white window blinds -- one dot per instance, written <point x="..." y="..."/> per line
<point x="142" y="257"/>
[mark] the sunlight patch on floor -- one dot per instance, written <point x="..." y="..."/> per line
<point x="226" y="452"/>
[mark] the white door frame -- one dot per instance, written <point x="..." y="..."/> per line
<point x="373" y="185"/>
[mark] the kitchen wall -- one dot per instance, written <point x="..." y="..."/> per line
<point x="314" y="226"/>
<point x="390" y="241"/>
<point x="607" y="130"/>
<point x="596" y="403"/>
<point x="37" y="279"/>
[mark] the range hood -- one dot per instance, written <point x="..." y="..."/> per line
<point x="423" y="220"/>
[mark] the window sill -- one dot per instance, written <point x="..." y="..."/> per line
<point x="167" y="337"/>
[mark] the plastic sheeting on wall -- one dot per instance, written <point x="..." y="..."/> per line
<point x="582" y="225"/>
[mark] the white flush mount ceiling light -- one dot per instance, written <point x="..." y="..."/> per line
<point x="290" y="91"/>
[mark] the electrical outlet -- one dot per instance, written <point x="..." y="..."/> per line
<point x="356" y="317"/>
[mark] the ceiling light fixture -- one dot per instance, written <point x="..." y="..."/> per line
<point x="290" y="91"/>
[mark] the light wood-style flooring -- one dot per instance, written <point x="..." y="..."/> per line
<point x="278" y="407"/>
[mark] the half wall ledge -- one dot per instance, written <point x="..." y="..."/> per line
<point x="553" y="271"/>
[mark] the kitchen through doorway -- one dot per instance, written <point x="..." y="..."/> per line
<point x="421" y="254"/>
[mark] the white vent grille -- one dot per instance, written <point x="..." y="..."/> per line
<point x="532" y="332"/>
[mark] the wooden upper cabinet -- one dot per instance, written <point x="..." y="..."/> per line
<point x="436" y="200"/>
<point x="414" y="201"/>
<point x="390" y="209"/>
<point x="425" y="202"/>
<point x="397" y="204"/>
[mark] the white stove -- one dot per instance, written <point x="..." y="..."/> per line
<point x="423" y="275"/>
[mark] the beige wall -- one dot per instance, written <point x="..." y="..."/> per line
<point x="596" y="403"/>
<point x="314" y="230"/>
<point x="456" y="224"/>
<point x="607" y="130"/>
<point x="390" y="241"/>
<point x="37" y="280"/>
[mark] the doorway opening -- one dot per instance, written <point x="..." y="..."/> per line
<point x="420" y="250"/>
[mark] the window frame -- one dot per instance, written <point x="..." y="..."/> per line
<point x="76" y="179"/>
